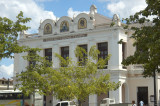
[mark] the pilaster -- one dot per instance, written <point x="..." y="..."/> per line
<point x="72" y="48"/>
<point x="55" y="49"/>
<point x="93" y="100"/>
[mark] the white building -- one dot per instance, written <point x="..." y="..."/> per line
<point x="63" y="35"/>
<point x="6" y="84"/>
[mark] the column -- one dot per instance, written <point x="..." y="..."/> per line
<point x="93" y="100"/>
<point x="54" y="101"/>
<point x="117" y="94"/>
<point x="55" y="49"/>
<point x="115" y="50"/>
<point x="91" y="43"/>
<point x="72" y="48"/>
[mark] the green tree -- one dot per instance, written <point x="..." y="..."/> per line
<point x="9" y="31"/>
<point x="72" y="81"/>
<point x="146" y="36"/>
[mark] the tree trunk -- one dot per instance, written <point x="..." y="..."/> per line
<point x="33" y="104"/>
<point x="79" y="103"/>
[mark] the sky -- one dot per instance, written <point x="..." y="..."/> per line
<point x="39" y="10"/>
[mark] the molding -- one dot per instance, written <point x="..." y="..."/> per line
<point x="70" y="34"/>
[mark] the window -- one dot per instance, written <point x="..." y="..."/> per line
<point x="48" y="54"/>
<point x="12" y="96"/>
<point x="83" y="60"/>
<point x="64" y="104"/>
<point x="65" y="53"/>
<point x="123" y="52"/>
<point x="31" y="58"/>
<point x="103" y="48"/>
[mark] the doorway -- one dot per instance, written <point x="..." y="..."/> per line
<point x="142" y="95"/>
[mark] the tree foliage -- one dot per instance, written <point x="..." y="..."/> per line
<point x="73" y="81"/>
<point x="9" y="31"/>
<point x="146" y="36"/>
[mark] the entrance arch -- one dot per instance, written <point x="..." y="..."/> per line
<point x="125" y="96"/>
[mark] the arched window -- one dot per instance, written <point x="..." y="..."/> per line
<point x="82" y="23"/>
<point x="48" y="29"/>
<point x="64" y="27"/>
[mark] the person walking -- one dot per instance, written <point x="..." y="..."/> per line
<point x="141" y="103"/>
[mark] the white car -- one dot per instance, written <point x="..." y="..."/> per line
<point x="66" y="103"/>
<point x="107" y="102"/>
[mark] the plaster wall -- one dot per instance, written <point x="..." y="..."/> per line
<point x="136" y="82"/>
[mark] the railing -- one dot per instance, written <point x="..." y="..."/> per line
<point x="137" y="67"/>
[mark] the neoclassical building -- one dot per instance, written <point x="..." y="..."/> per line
<point x="63" y="35"/>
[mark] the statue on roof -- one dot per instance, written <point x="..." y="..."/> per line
<point x="116" y="20"/>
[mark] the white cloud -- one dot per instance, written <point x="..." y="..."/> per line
<point x="30" y="9"/>
<point x="124" y="8"/>
<point x="43" y="0"/>
<point x="72" y="13"/>
<point x="6" y="71"/>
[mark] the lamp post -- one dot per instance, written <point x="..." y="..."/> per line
<point x="22" y="95"/>
<point x="155" y="95"/>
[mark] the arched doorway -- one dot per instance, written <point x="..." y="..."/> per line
<point x="123" y="93"/>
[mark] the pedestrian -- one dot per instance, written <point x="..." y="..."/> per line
<point x="141" y="103"/>
<point x="133" y="103"/>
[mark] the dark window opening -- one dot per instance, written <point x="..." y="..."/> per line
<point x="11" y="96"/>
<point x="123" y="52"/>
<point x="48" y="54"/>
<point x="64" y="104"/>
<point x="142" y="95"/>
<point x="65" y="54"/>
<point x="103" y="48"/>
<point x="83" y="60"/>
<point x="58" y="104"/>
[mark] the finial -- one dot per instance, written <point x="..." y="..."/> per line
<point x="116" y="19"/>
<point x="74" y="15"/>
<point x="93" y="9"/>
<point x="41" y="21"/>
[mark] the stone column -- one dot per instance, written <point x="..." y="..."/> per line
<point x="93" y="100"/>
<point x="115" y="50"/>
<point x="117" y="94"/>
<point x="91" y="43"/>
<point x="54" y="101"/>
<point x="55" y="49"/>
<point x="72" y="48"/>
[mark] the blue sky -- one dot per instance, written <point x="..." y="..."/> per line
<point x="40" y="10"/>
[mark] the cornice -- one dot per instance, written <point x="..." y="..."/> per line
<point x="88" y="31"/>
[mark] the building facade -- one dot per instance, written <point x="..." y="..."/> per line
<point x="63" y="35"/>
<point x="6" y="84"/>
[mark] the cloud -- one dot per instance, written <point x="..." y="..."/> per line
<point x="6" y="71"/>
<point x="43" y="0"/>
<point x="124" y="8"/>
<point x="72" y="13"/>
<point x="30" y="9"/>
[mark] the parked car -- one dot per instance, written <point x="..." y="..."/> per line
<point x="66" y="103"/>
<point x="107" y="102"/>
